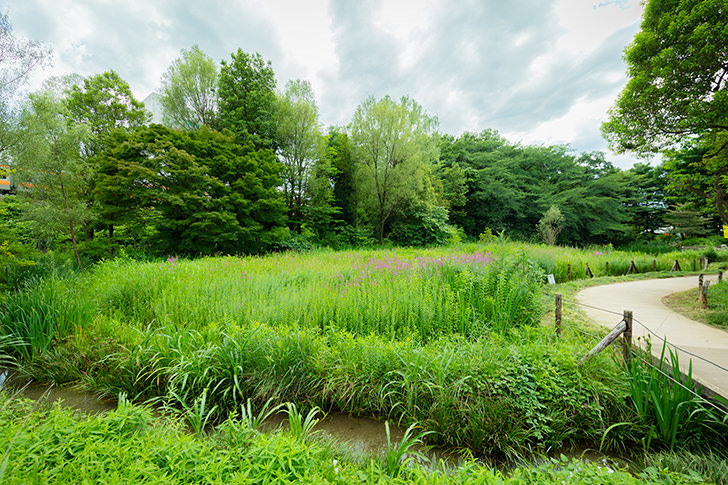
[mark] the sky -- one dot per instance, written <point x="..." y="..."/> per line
<point x="539" y="72"/>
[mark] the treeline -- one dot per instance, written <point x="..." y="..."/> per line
<point x="238" y="167"/>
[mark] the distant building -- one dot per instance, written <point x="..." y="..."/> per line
<point x="153" y="104"/>
<point x="6" y="186"/>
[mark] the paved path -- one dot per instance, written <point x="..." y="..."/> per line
<point x="644" y="299"/>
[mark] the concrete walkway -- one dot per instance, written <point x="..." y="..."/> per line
<point x="643" y="298"/>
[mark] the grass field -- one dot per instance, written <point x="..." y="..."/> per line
<point x="448" y="338"/>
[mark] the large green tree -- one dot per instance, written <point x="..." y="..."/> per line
<point x="677" y="95"/>
<point x="509" y="187"/>
<point x="104" y="102"/>
<point x="678" y="70"/>
<point x="50" y="169"/>
<point x="300" y="144"/>
<point x="203" y="192"/>
<point x="189" y="91"/>
<point x="246" y="97"/>
<point x="393" y="146"/>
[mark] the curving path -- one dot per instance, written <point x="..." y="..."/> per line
<point x="643" y="298"/>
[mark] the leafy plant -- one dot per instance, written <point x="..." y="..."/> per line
<point x="404" y="453"/>
<point x="300" y="427"/>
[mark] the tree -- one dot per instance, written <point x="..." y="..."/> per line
<point x="647" y="202"/>
<point x="551" y="225"/>
<point x="300" y="144"/>
<point x="50" y="169"/>
<point x="392" y="145"/>
<point x="678" y="69"/>
<point x="246" y="96"/>
<point x="698" y="175"/>
<point x="104" y="102"/>
<point x="203" y="192"/>
<point x="18" y="58"/>
<point x="343" y="176"/>
<point x="189" y="91"/>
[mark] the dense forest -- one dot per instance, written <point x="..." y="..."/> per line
<point x="237" y="167"/>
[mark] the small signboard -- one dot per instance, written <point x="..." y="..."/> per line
<point x="725" y="232"/>
<point x="551" y="279"/>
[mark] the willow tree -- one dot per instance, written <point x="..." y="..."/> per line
<point x="189" y="91"/>
<point x="50" y="169"/>
<point x="300" y="144"/>
<point x="393" y="147"/>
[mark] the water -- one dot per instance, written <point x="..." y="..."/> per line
<point x="365" y="436"/>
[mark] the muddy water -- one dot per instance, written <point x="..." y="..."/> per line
<point x="364" y="436"/>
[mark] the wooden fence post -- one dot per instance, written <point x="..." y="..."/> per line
<point x="632" y="267"/>
<point x="588" y="271"/>
<point x="611" y="337"/>
<point x="695" y="266"/>
<point x="568" y="272"/>
<point x="704" y="295"/>
<point x="606" y="268"/>
<point x="627" y="338"/>
<point x="675" y="266"/>
<point x="720" y="276"/>
<point x="557" y="314"/>
<point x="654" y="265"/>
<point x="700" y="280"/>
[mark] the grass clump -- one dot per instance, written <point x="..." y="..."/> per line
<point x="129" y="445"/>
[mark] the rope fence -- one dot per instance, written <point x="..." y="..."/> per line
<point x="629" y="352"/>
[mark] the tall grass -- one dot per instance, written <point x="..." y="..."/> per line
<point x="129" y="445"/>
<point x="30" y="321"/>
<point x="443" y="337"/>
<point x="667" y="401"/>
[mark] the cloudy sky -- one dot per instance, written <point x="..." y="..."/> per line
<point x="537" y="71"/>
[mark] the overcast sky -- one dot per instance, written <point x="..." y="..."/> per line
<point x="537" y="71"/>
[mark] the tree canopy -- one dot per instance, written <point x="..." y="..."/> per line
<point x="246" y="96"/>
<point x="202" y="192"/>
<point x="678" y="70"/>
<point x="189" y="91"/>
<point x="393" y="145"/>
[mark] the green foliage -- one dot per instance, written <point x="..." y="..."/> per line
<point x="300" y="427"/>
<point x="33" y="320"/>
<point x="189" y="91"/>
<point x="424" y="225"/>
<point x="246" y="99"/>
<point x="49" y="166"/>
<point x="399" y="456"/>
<point x="667" y="403"/>
<point x="677" y="86"/>
<point x="343" y="178"/>
<point x="509" y="187"/>
<point x="129" y="445"/>
<point x="718" y="304"/>
<point x="20" y="57"/>
<point x="206" y="193"/>
<point x="103" y="103"/>
<point x="299" y="138"/>
<point x="393" y="147"/>
<point x="551" y="225"/>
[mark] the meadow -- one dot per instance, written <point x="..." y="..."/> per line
<point x="447" y="338"/>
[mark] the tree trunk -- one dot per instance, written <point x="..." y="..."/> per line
<point x="70" y="225"/>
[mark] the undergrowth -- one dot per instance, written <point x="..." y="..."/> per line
<point x="129" y="445"/>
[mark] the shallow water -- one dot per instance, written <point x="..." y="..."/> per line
<point x="365" y="436"/>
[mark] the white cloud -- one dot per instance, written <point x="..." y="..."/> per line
<point x="542" y="71"/>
